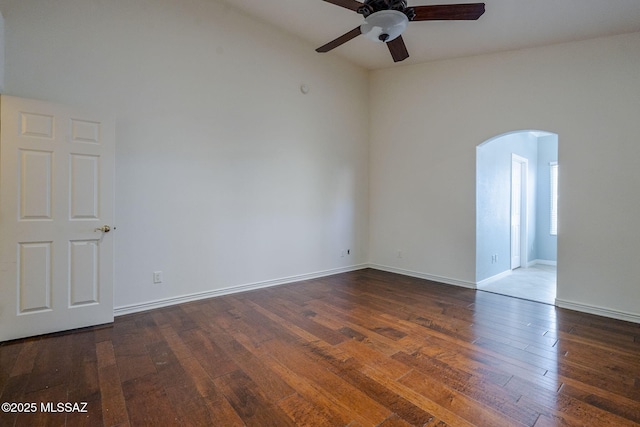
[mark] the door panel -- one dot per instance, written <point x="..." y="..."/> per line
<point x="85" y="191"/>
<point x="35" y="185"/>
<point x="34" y="277"/>
<point x="56" y="191"/>
<point x="84" y="283"/>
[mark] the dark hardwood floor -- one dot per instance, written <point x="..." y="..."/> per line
<point x="366" y="348"/>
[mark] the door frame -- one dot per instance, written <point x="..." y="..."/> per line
<point x="524" y="217"/>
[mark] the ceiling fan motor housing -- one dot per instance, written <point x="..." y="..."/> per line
<point x="372" y="6"/>
<point x="384" y="25"/>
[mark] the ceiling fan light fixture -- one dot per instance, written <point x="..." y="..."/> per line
<point x="384" y="26"/>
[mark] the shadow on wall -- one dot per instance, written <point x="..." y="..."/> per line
<point x="494" y="157"/>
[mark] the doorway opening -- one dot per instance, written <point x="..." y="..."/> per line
<point x="516" y="210"/>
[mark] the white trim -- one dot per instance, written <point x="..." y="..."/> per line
<point x="598" y="311"/>
<point x="524" y="210"/>
<point x="150" y="305"/>
<point x="553" y="199"/>
<point x="441" y="279"/>
<point x="542" y="262"/>
<point x="492" y="279"/>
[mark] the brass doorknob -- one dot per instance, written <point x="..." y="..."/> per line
<point x="104" y="229"/>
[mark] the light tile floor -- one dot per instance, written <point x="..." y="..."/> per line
<point x="536" y="283"/>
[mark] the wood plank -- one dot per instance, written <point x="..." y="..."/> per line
<point x="360" y="348"/>
<point x="472" y="387"/>
<point x="312" y="393"/>
<point x="105" y="354"/>
<point x="367" y="411"/>
<point x="52" y="365"/>
<point x="13" y="392"/>
<point x="561" y="406"/>
<point x="9" y="355"/>
<point x="147" y="402"/>
<point x="220" y="410"/>
<point x="113" y="404"/>
<point x="285" y="311"/>
<point x="56" y="393"/>
<point x="210" y="356"/>
<point x="26" y="358"/>
<point x="269" y="383"/>
<point x="249" y="402"/>
<point x="417" y="398"/>
<point x="305" y="413"/>
<point x="459" y="403"/>
<point x="622" y="407"/>
<point x="352" y="371"/>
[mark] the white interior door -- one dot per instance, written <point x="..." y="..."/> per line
<point x="518" y="167"/>
<point x="56" y="193"/>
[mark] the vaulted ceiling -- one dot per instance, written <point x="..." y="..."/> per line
<point x="506" y="25"/>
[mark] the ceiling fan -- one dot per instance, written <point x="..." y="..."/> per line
<point x="385" y="21"/>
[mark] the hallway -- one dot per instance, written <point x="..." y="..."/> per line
<point x="536" y="283"/>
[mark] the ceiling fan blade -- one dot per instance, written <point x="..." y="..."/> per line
<point x="470" y="11"/>
<point x="398" y="49"/>
<point x="349" y="4"/>
<point x="340" y="40"/>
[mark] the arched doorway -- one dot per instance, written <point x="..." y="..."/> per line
<point x="516" y="244"/>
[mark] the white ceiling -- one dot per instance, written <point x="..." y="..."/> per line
<point x="506" y="25"/>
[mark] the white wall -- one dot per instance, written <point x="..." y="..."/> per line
<point x="546" y="243"/>
<point x="428" y="119"/>
<point x="226" y="174"/>
<point x="1" y="53"/>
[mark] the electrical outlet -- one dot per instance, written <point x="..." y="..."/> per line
<point x="399" y="253"/>
<point x="157" y="277"/>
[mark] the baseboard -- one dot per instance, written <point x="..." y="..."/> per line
<point x="441" y="279"/>
<point x="150" y="305"/>
<point x="492" y="279"/>
<point x="542" y="262"/>
<point x="599" y="311"/>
